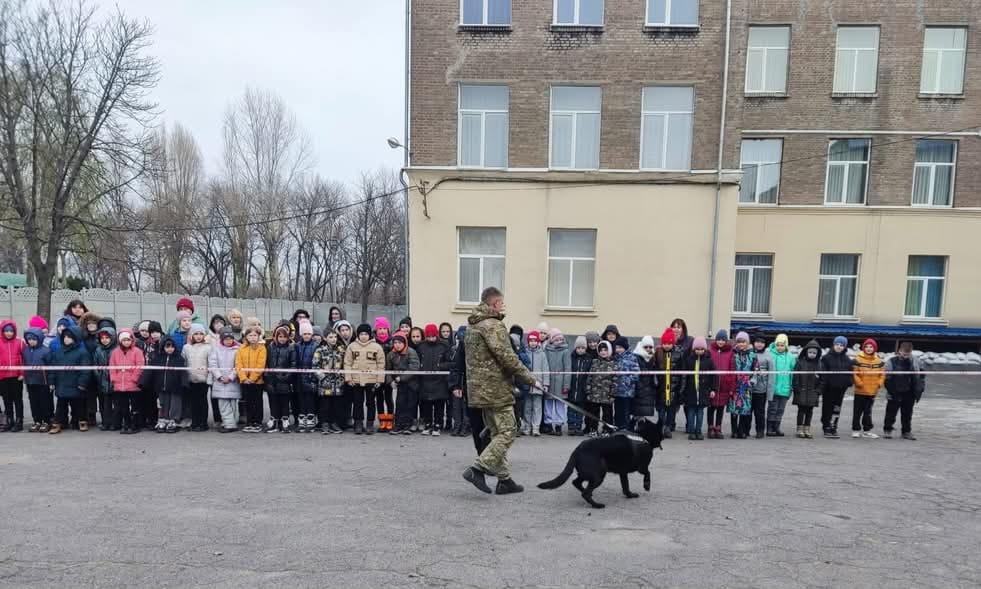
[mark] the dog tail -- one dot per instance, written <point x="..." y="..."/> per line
<point x="563" y="476"/>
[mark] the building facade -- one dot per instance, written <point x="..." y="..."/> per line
<point x="577" y="153"/>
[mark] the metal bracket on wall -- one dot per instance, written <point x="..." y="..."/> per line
<point x="424" y="190"/>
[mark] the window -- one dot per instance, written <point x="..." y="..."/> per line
<point x="483" y="124"/>
<point x="767" y="55"/>
<point x="481" y="255"/>
<point x="665" y="127"/>
<point x="485" y="12"/>
<point x="933" y="173"/>
<point x="588" y="13"/>
<point x="754" y="275"/>
<point x="575" y="131"/>
<point x="925" y="286"/>
<point x="672" y="13"/>
<point x="837" y="285"/>
<point x="848" y="171"/>
<point x="761" y="171"/>
<point x="571" y="267"/>
<point x="856" y="60"/>
<point x="943" y="60"/>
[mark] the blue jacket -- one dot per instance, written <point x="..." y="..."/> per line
<point x="35" y="357"/>
<point x="627" y="383"/>
<point x="305" y="382"/>
<point x="70" y="384"/>
<point x="179" y="338"/>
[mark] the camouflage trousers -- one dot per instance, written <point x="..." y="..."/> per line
<point x="503" y="429"/>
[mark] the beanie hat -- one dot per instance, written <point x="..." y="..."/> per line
<point x="782" y="339"/>
<point x="742" y="336"/>
<point x="841" y="340"/>
<point x="226" y="333"/>
<point x="305" y="328"/>
<point x="185" y="303"/>
<point x="398" y="337"/>
<point x="406" y="321"/>
<point x="621" y="342"/>
<point x="759" y="337"/>
<point x="605" y="344"/>
<point x="580" y="342"/>
<point x="125" y="334"/>
<point x="700" y="343"/>
<point x="873" y="343"/>
<point x="668" y="336"/>
<point x="341" y="323"/>
<point x="431" y="330"/>
<point x="317" y="330"/>
<point x="517" y="330"/>
<point x="183" y="315"/>
<point x="722" y="335"/>
<point x="196" y="328"/>
<point x="533" y="337"/>
<point x="38" y="322"/>
<point x="592" y="336"/>
<point x="363" y="328"/>
<point x="154" y="327"/>
<point x="555" y="336"/>
<point x="381" y="323"/>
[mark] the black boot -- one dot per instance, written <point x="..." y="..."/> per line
<point x="770" y="429"/>
<point x="358" y="427"/>
<point x="475" y="477"/>
<point x="507" y="487"/>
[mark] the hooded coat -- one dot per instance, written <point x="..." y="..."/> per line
<point x="100" y="358"/>
<point x="580" y="380"/>
<point x="221" y="363"/>
<point x="606" y="332"/>
<point x="602" y="387"/>
<point x="70" y="384"/>
<point x="745" y="366"/>
<point x="627" y="383"/>
<point x="781" y="381"/>
<point x="539" y="366"/>
<point x="840" y="363"/>
<point x="807" y="381"/>
<point x="727" y="382"/>
<point x="492" y="365"/>
<point x="434" y="357"/>
<point x="408" y="360"/>
<point x="196" y="356"/>
<point x="645" y="399"/>
<point x="670" y="386"/>
<point x="167" y="382"/>
<point x="11" y="351"/>
<point x="868" y="374"/>
<point x="901" y="387"/>
<point x="368" y="358"/>
<point x="559" y="361"/>
<point x="128" y="380"/>
<point x="35" y="356"/>
<point x="280" y="356"/>
<point x="305" y="382"/>
<point x="700" y="386"/>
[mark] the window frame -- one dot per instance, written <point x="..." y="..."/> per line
<point x="570" y="259"/>
<point x="575" y="12"/>
<point x="940" y="52"/>
<point x="756" y="192"/>
<point x="667" y="16"/>
<point x="932" y="204"/>
<point x="749" y="48"/>
<point x="749" y="286"/>
<point x="664" y="141"/>
<point x="925" y="280"/>
<point x="848" y="163"/>
<point x="575" y="123"/>
<point x="484" y="23"/>
<point x="460" y="256"/>
<point x="838" y="50"/>
<point x="460" y="111"/>
<point x="837" y="278"/>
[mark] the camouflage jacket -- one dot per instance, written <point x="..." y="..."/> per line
<point x="492" y="365"/>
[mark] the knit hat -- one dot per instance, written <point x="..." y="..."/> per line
<point x="759" y="337"/>
<point x="183" y="315"/>
<point x="592" y="336"/>
<point x="185" y="303"/>
<point x="722" y="335"/>
<point x="841" y="340"/>
<point x="700" y="344"/>
<point x="543" y="328"/>
<point x="533" y="337"/>
<point x="605" y="344"/>
<point x="406" y="321"/>
<point x="125" y="334"/>
<point x="398" y="337"/>
<point x="341" y="323"/>
<point x="305" y="328"/>
<point x="38" y="322"/>
<point x="154" y="327"/>
<point x="621" y="342"/>
<point x="742" y="336"/>
<point x="363" y="328"/>
<point x="517" y="330"/>
<point x="381" y="323"/>
<point x="667" y="337"/>
<point x="874" y="344"/>
<point x="555" y="336"/>
<point x="431" y="330"/>
<point x="196" y="328"/>
<point x="580" y="342"/>
<point x="317" y="330"/>
<point x="226" y="333"/>
<point x="782" y="339"/>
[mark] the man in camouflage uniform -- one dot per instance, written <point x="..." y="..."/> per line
<point x="492" y="367"/>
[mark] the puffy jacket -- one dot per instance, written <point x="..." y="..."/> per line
<point x="325" y="358"/>
<point x="670" y="386"/>
<point x="284" y="357"/>
<point x="167" y="382"/>
<point x="699" y="389"/>
<point x="807" y="381"/>
<point x="250" y="361"/>
<point x="539" y="366"/>
<point x="580" y="380"/>
<point x="492" y="365"/>
<point x="222" y="363"/>
<point x="559" y="361"/>
<point x="835" y="362"/>
<point x="368" y="358"/>
<point x="196" y="356"/>
<point x="100" y="359"/>
<point x="602" y="387"/>
<point x="781" y="381"/>
<point x="305" y="382"/>
<point x="904" y="386"/>
<point x="645" y="399"/>
<point x="761" y="386"/>
<point x="868" y="374"/>
<point x="35" y="356"/>
<point x="627" y="383"/>
<point x="433" y="357"/>
<point x="727" y="382"/>
<point x="408" y="360"/>
<point x="180" y="340"/>
<point x="10" y="352"/>
<point x="70" y="384"/>
<point x="126" y="380"/>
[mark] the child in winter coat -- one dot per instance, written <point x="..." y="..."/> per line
<point x="721" y="354"/>
<point x="127" y="362"/>
<point x="250" y="362"/>
<point x="559" y="365"/>
<point x="305" y="385"/>
<point x="781" y="384"/>
<point x="592" y="344"/>
<point x="146" y="412"/>
<point x="904" y="387"/>
<point x="12" y="381"/>
<point x="835" y="385"/>
<point x="218" y="322"/>
<point x="868" y="375"/>
<point x="280" y="355"/>
<point x="402" y="358"/>
<point x="196" y="353"/>
<point x="35" y="355"/>
<point x="106" y="338"/>
<point x="761" y="385"/>
<point x="670" y="359"/>
<point x="521" y="390"/>
<point x="702" y="389"/>
<point x="534" y="401"/>
<point x="224" y="377"/>
<point x="328" y="359"/>
<point x="434" y="390"/>
<point x="581" y="361"/>
<point x="745" y="367"/>
<point x="182" y="330"/>
<point x="807" y="386"/>
<point x="645" y="399"/>
<point x="366" y="357"/>
<point x="601" y="389"/>
<point x="70" y="386"/>
<point x="170" y="384"/>
<point x="384" y="400"/>
<point x="626" y="385"/>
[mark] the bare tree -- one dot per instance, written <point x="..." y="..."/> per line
<point x="73" y="97"/>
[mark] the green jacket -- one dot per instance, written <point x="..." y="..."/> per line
<point x="781" y="381"/>
<point x="492" y="364"/>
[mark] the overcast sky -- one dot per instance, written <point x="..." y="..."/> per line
<point x="338" y="64"/>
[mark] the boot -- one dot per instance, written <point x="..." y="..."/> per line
<point x="909" y="436"/>
<point x="807" y="432"/>
<point x="83" y="426"/>
<point x="369" y="428"/>
<point x="800" y="431"/>
<point x="475" y="477"/>
<point x="55" y="428"/>
<point x="771" y="429"/>
<point x="358" y="427"/>
<point x="18" y="426"/>
<point x="557" y="432"/>
<point x="507" y="487"/>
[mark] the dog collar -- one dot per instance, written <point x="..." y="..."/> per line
<point x="636" y="438"/>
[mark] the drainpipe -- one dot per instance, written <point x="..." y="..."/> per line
<point x="718" y="171"/>
<point x="406" y="149"/>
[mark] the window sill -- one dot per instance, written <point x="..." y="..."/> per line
<point x="752" y="317"/>
<point x="938" y="96"/>
<point x="859" y="95"/>
<point x="463" y="307"/>
<point x="826" y="319"/>
<point x="484" y="28"/>
<point x="671" y="28"/>
<point x="916" y="206"/>
<point x="758" y="205"/>
<point x="561" y="28"/>
<point x="565" y="312"/>
<point x="844" y="205"/>
<point x="936" y="321"/>
<point x="780" y="95"/>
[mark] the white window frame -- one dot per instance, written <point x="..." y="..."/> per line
<point x="844" y="183"/>
<point x="570" y="259"/>
<point x="575" y="122"/>
<point x="837" y="278"/>
<point x="749" y="286"/>
<point x="667" y="16"/>
<point x="758" y="164"/>
<point x="481" y="257"/>
<point x="575" y="15"/>
<point x="932" y="204"/>
<point x="854" y="58"/>
<point x="483" y="129"/>
<point x="940" y="54"/>
<point x="766" y="51"/>
<point x="665" y="142"/>
<point x="926" y="283"/>
<point x="484" y="23"/>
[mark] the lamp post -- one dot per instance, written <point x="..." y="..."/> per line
<point x="396" y="144"/>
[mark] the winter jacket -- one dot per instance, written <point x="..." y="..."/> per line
<point x="781" y="381"/>
<point x="670" y="386"/>
<point x="250" y="361"/>
<point x="168" y="382"/>
<point x="559" y="360"/>
<point x="835" y="362"/>
<point x="745" y="366"/>
<point x="181" y="339"/>
<point x="807" y="382"/>
<point x="408" y="360"/>
<point x="126" y="380"/>
<point x="761" y="386"/>
<point x="433" y="357"/>
<point x="700" y="386"/>
<point x="520" y="388"/>
<point x="196" y="358"/>
<point x="304" y="382"/>
<point x="100" y="359"/>
<point x="35" y="356"/>
<point x="580" y="380"/>
<point x="727" y="382"/>
<point x="458" y="372"/>
<point x="602" y="387"/>
<point x="900" y="387"/>
<point x="626" y="385"/>
<point x="222" y="363"/>
<point x="325" y="358"/>
<point x="364" y="357"/>
<point x="10" y="352"/>
<point x="539" y="366"/>
<point x="280" y="357"/>
<point x="492" y="365"/>
<point x="868" y="374"/>
<point x="70" y="384"/>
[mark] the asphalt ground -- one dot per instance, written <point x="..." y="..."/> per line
<point x="307" y="510"/>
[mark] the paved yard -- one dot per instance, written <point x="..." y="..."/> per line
<point x="100" y="509"/>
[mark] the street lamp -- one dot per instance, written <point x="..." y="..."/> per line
<point x="395" y="144"/>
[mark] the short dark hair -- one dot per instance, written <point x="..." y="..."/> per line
<point x="490" y="293"/>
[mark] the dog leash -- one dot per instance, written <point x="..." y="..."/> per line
<point x="576" y="408"/>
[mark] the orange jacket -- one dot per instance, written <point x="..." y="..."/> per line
<point x="868" y="374"/>
<point x="250" y="362"/>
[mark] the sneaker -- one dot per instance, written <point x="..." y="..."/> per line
<point x="536" y="433"/>
<point x="435" y="432"/>
<point x="407" y="432"/>
<point x="887" y="434"/>
<point x="507" y="487"/>
<point x="395" y="432"/>
<point x="161" y="427"/>
<point x="335" y="429"/>
<point x="171" y="427"/>
<point x="909" y="436"/>
<point x="870" y="435"/>
<point x="226" y="430"/>
<point x="475" y="477"/>
<point x="834" y="434"/>
<point x="185" y="423"/>
<point x="285" y="428"/>
<point x="369" y="428"/>
<point x="426" y="431"/>
<point x="44" y="428"/>
<point x="272" y="426"/>
<point x="856" y="434"/>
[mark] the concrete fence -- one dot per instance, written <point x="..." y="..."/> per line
<point x="128" y="307"/>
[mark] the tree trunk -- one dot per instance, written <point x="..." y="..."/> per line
<point x="44" y="277"/>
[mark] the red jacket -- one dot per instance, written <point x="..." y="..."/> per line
<point x="126" y="381"/>
<point x="723" y="360"/>
<point x="10" y="352"/>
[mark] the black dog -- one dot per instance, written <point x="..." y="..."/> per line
<point x="622" y="453"/>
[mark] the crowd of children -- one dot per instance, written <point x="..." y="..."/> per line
<point x="412" y="380"/>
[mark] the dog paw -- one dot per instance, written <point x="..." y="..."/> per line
<point x="647" y="488"/>
<point x="631" y="495"/>
<point x="599" y="506"/>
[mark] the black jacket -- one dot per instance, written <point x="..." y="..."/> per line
<point x="277" y="356"/>
<point x="167" y="382"/>
<point x="577" y="386"/>
<point x="807" y="383"/>
<point x="833" y="361"/>
<point x="903" y="386"/>
<point x="458" y="373"/>
<point x="700" y="394"/>
<point x="433" y="357"/>
<point x="645" y="397"/>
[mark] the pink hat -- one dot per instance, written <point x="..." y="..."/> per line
<point x="699" y="344"/>
<point x="38" y="322"/>
<point x="381" y="323"/>
<point x="183" y="315"/>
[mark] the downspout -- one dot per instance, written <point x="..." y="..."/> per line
<point x="718" y="171"/>
<point x="406" y="149"/>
